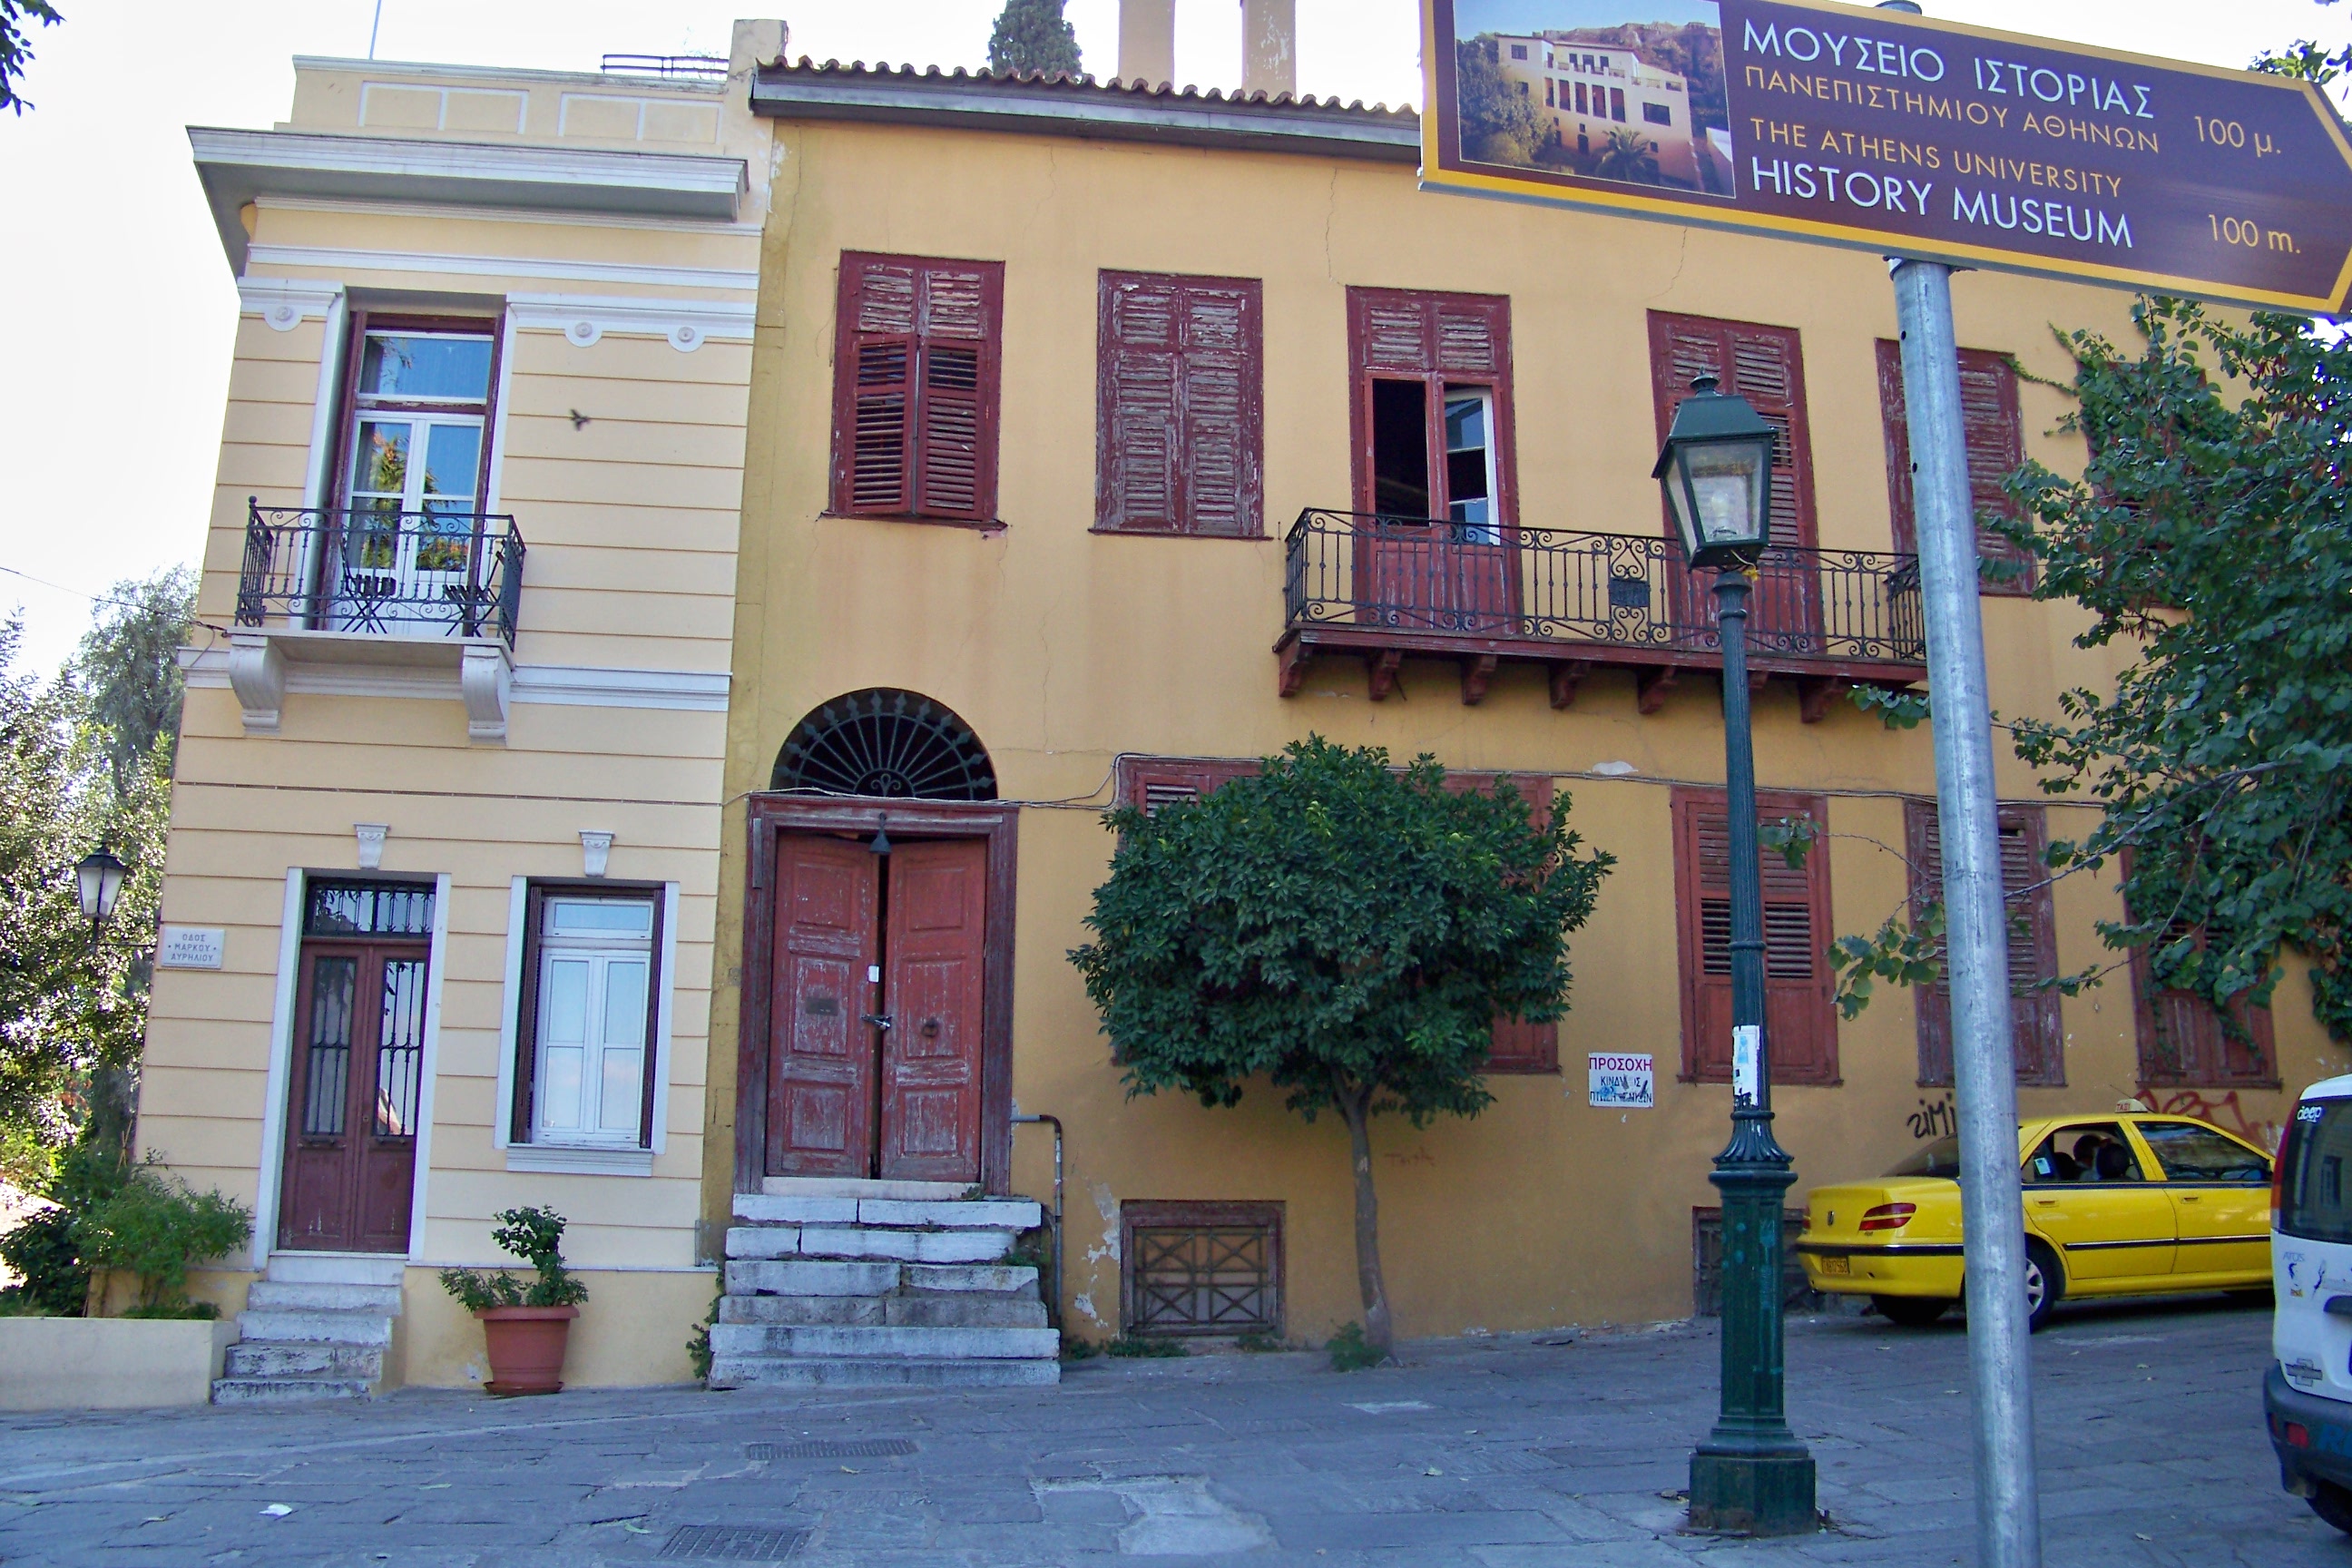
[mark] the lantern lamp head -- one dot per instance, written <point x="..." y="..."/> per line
<point x="98" y="882"/>
<point x="1716" y="469"/>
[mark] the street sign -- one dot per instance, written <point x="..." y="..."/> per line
<point x="1898" y="133"/>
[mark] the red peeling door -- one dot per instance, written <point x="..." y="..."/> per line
<point x="821" y="1057"/>
<point x="932" y="992"/>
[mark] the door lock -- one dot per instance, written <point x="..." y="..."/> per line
<point x="879" y="1020"/>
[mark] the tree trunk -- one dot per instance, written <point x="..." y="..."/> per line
<point x="1356" y="1109"/>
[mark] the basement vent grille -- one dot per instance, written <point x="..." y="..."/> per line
<point x="869" y="1448"/>
<point x="733" y="1543"/>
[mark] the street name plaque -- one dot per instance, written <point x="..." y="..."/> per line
<point x="1898" y="133"/>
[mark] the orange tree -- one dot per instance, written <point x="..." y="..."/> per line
<point x="1341" y="930"/>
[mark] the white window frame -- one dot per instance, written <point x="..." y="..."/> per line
<point x="1469" y="530"/>
<point x="604" y="1158"/>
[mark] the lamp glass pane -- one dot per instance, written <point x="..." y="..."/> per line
<point x="1726" y="480"/>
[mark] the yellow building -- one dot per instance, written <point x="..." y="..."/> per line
<point x="1090" y="442"/>
<point x="441" y="880"/>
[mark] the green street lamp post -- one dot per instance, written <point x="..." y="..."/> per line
<point x="1750" y="1476"/>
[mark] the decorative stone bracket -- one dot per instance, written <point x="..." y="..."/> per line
<point x="485" y="681"/>
<point x="257" y="673"/>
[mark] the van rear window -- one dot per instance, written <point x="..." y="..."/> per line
<point x="2316" y="1179"/>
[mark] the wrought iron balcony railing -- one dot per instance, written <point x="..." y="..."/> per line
<point x="1614" y="596"/>
<point x="389" y="573"/>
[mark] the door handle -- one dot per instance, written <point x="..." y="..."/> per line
<point x="2190" y="1197"/>
<point x="2046" y="1202"/>
<point x="879" y="1020"/>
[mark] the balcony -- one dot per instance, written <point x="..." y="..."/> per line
<point x="397" y="597"/>
<point x="1385" y="589"/>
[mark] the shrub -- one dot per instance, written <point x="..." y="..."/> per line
<point x="153" y="1227"/>
<point x="44" y="1250"/>
<point x="1137" y="1348"/>
<point x="1350" y="1351"/>
<point x="698" y="1344"/>
<point x="535" y="1235"/>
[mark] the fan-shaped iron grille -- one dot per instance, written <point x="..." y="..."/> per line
<point x="884" y="742"/>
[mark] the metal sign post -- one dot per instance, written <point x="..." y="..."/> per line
<point x="1992" y="1215"/>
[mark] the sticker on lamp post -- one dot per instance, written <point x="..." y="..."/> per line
<point x="1747" y="1057"/>
<point x="1622" y="1082"/>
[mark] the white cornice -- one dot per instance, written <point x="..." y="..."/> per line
<point x="561" y="685"/>
<point x="631" y="86"/>
<point x="284" y="301"/>
<point x="582" y="318"/>
<point x="702" y="228"/>
<point x="336" y="259"/>
<point x="241" y="166"/>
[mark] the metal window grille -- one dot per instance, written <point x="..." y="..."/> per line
<point x="1202" y="1268"/>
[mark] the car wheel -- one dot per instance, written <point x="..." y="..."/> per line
<point x="1911" y="1311"/>
<point x="2045" y="1283"/>
<point x="2334" y="1504"/>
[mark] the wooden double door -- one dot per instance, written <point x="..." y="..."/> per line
<point x="355" y="1092"/>
<point x="874" y="1060"/>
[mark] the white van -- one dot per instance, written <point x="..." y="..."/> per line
<point x="2307" y="1392"/>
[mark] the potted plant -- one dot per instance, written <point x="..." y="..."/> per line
<point x="524" y="1326"/>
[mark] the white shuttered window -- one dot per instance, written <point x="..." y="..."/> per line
<point x="595" y="968"/>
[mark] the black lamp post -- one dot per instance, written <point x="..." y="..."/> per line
<point x="98" y="882"/>
<point x="1750" y="1476"/>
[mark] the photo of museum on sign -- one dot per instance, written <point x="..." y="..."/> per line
<point x="1626" y="91"/>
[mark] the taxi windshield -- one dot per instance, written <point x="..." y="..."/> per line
<point x="1941" y="1158"/>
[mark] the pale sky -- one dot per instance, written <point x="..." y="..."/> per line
<point x="120" y="309"/>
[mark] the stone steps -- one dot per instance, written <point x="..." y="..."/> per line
<point x="317" y="1327"/>
<point x="817" y="1372"/>
<point x="943" y="1311"/>
<point x="855" y="1289"/>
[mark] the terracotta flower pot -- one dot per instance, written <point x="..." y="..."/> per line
<point x="525" y="1347"/>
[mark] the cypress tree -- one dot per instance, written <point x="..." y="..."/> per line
<point x="1034" y="36"/>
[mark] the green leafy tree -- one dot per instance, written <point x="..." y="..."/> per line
<point x="129" y="664"/>
<point x="1034" y="36"/>
<point x="1626" y="155"/>
<point x="1342" y="930"/>
<point x="2307" y="58"/>
<point x="16" y="17"/>
<point x="2210" y="532"/>
<point x="1499" y="122"/>
<point x="72" y="1011"/>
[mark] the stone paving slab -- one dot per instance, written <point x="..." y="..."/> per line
<point x="1491" y="1453"/>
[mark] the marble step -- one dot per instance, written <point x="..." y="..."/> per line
<point x="315" y="1359"/>
<point x="750" y="1276"/>
<point x="288" y="1390"/>
<point x="794" y="1371"/>
<point x="304" y="1296"/>
<point x="337" y="1267"/>
<point x="953" y="1213"/>
<point x="311" y="1325"/>
<point x="986" y="1310"/>
<point x="898" y="1343"/>
<point x="961" y="1278"/>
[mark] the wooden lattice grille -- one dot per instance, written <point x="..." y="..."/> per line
<point x="1202" y="1268"/>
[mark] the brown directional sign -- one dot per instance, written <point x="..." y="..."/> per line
<point x="1900" y="133"/>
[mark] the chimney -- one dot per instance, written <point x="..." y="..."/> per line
<point x="755" y="44"/>
<point x="1147" y="42"/>
<point x="1270" y="47"/>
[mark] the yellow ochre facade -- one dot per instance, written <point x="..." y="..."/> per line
<point x="832" y="409"/>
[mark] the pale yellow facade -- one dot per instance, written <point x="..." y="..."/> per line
<point x="664" y="436"/>
<point x="605" y="230"/>
<point x="1067" y="648"/>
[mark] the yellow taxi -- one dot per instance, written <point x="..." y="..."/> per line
<point x="2126" y="1205"/>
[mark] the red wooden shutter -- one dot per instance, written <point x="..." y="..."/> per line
<point x="2181" y="1038"/>
<point x="1764" y="364"/>
<point x="2040" y="1047"/>
<point x="1150" y="782"/>
<point x="915" y="376"/>
<point x="1447" y="341"/>
<point x="1799" y="1016"/>
<point x="1996" y="448"/>
<point x="1180" y="442"/>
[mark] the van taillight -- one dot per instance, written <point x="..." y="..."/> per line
<point x="1889" y="1217"/>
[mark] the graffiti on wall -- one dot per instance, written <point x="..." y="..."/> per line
<point x="1933" y="1119"/>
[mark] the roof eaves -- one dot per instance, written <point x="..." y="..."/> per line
<point x="1059" y="105"/>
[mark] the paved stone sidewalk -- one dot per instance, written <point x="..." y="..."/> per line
<point x="1505" y="1453"/>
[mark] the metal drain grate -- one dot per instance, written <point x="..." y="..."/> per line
<point x="869" y="1448"/>
<point x="733" y="1543"/>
